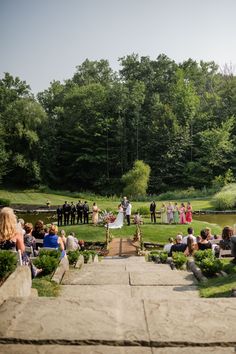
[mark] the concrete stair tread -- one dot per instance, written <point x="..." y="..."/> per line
<point x="120" y="319"/>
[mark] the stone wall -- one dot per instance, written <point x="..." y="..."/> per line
<point x="18" y="284"/>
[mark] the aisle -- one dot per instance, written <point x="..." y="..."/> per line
<point x="119" y="247"/>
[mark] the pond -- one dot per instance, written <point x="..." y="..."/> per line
<point x="47" y="218"/>
<point x="220" y="219"/>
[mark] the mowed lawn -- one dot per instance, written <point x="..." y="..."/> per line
<point x="151" y="233"/>
<point x="157" y="233"/>
<point x="29" y="197"/>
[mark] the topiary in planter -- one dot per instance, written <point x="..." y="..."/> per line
<point x="200" y="255"/>
<point x="210" y="266"/>
<point x="48" y="260"/>
<point x="179" y="259"/>
<point x="163" y="256"/>
<point x="8" y="263"/>
<point x="73" y="256"/>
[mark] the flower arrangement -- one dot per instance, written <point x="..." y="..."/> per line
<point x="106" y="217"/>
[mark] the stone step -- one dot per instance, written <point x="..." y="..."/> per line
<point x="93" y="291"/>
<point x="108" y="349"/>
<point x="163" y="278"/>
<point x="160" y="323"/>
<point x="133" y="259"/>
<point x="97" y="276"/>
<point x="138" y="292"/>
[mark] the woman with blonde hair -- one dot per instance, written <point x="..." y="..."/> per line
<point x="10" y="236"/>
<point x="12" y="239"/>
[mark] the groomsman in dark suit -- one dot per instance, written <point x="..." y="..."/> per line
<point x="86" y="212"/>
<point x="66" y="211"/>
<point x="79" y="208"/>
<point x="59" y="215"/>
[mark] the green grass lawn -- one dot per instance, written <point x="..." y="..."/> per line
<point x="151" y="233"/>
<point x="45" y="286"/>
<point x="31" y="197"/>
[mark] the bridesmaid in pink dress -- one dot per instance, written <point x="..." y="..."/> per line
<point x="189" y="216"/>
<point x="182" y="219"/>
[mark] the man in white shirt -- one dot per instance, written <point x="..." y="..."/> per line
<point x="128" y="212"/>
<point x="190" y="233"/>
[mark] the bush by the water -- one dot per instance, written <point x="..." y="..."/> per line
<point x="144" y="210"/>
<point x="8" y="263"/>
<point x="5" y="202"/>
<point x="226" y="198"/>
<point x="48" y="260"/>
<point x="188" y="193"/>
<point x="179" y="259"/>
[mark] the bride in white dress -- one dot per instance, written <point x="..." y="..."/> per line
<point x="118" y="223"/>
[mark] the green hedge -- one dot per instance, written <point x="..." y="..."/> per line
<point x="8" y="263"/>
<point x="48" y="260"/>
<point x="179" y="259"/>
<point x="5" y="202"/>
<point x="226" y="198"/>
<point x="73" y="256"/>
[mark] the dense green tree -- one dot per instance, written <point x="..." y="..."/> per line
<point x="136" y="180"/>
<point x="23" y="121"/>
<point x="87" y="132"/>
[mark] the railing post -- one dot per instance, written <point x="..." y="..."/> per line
<point x="107" y="236"/>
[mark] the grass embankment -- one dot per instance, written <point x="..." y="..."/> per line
<point x="220" y="286"/>
<point x="151" y="233"/>
<point x="32" y="197"/>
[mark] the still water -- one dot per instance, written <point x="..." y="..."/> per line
<point x="220" y="219"/>
<point x="47" y="218"/>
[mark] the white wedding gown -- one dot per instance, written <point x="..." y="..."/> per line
<point x="118" y="223"/>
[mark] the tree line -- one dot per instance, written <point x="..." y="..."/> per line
<point x="87" y="132"/>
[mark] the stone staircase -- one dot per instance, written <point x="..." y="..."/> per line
<point x="120" y="305"/>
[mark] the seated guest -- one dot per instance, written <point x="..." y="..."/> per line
<point x="63" y="236"/>
<point x="204" y="244"/>
<point x="39" y="232"/>
<point x="190" y="233"/>
<point x="52" y="240"/>
<point x="178" y="246"/>
<point x="72" y="243"/>
<point x="209" y="234"/>
<point x="167" y="247"/>
<point x="21" y="226"/>
<point x="29" y="240"/>
<point x="191" y="246"/>
<point x="12" y="239"/>
<point x="227" y="233"/>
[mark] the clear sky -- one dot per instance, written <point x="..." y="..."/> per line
<point x="44" y="40"/>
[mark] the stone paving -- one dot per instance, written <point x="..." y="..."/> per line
<point x="121" y="305"/>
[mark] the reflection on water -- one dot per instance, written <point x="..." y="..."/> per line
<point x="47" y="218"/>
<point x="220" y="219"/>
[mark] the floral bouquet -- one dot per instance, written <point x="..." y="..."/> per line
<point x="106" y="217"/>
